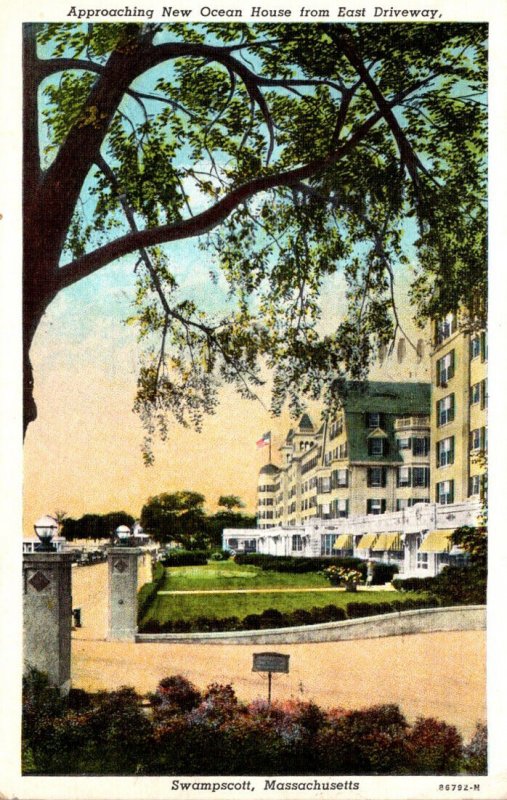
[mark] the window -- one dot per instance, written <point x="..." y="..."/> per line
<point x="341" y="508"/>
<point x="404" y="444"/>
<point x="339" y="478"/>
<point x="421" y="446"/>
<point x="445" y="492"/>
<point x="377" y="447"/>
<point x="324" y="485"/>
<point x="475" y="346"/>
<point x="445" y="410"/>
<point x="445" y="327"/>
<point x="445" y="452"/>
<point x="420" y="476"/>
<point x="375" y="506"/>
<point x="484" y="393"/>
<point x="327" y="541"/>
<point x="478" y="439"/>
<point x="376" y="476"/>
<point x="422" y="560"/>
<point x="336" y="428"/>
<point x="445" y="368"/>
<point x="374" y="419"/>
<point x="404" y="476"/>
<point x="297" y="542"/>
<point x="402" y="503"/>
<point x="475" y="393"/>
<point x="475" y="484"/>
<point x="484" y="346"/>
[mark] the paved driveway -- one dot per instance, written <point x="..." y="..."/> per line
<point x="432" y="674"/>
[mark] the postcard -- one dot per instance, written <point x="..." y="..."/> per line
<point x="253" y="280"/>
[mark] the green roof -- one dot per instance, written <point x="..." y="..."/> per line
<point x="390" y="399"/>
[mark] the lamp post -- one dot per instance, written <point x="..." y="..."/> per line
<point x="46" y="528"/>
<point x="123" y="535"/>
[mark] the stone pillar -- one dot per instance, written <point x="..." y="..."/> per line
<point x="47" y="615"/>
<point x="122" y="610"/>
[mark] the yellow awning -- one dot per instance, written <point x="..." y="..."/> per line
<point x="437" y="542"/>
<point x="366" y="541"/>
<point x="343" y="542"/>
<point x="388" y="541"/>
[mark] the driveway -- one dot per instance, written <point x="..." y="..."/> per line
<point x="442" y="675"/>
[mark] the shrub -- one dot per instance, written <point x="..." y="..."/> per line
<point x="434" y="748"/>
<point x="299" y="564"/>
<point x="185" y="558"/>
<point x="148" y="592"/>
<point x="355" y="610"/>
<point x="412" y="584"/>
<point x="383" y="573"/>
<point x="174" y="694"/>
<point x="475" y="754"/>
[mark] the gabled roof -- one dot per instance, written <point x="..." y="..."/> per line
<point x="305" y="423"/>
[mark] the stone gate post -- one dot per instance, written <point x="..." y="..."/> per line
<point x="47" y="615"/>
<point x="123" y="586"/>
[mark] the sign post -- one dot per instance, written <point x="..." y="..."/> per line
<point x="270" y="662"/>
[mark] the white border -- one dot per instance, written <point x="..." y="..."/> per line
<point x="12" y="14"/>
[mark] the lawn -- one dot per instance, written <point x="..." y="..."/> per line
<point x="230" y="576"/>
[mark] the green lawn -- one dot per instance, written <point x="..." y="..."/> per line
<point x="228" y="575"/>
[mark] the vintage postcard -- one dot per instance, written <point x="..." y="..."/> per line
<point x="252" y="289"/>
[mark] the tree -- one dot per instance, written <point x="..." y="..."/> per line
<point x="178" y="515"/>
<point x="230" y="501"/>
<point x="292" y="151"/>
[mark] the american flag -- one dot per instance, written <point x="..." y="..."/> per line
<point x="264" y="440"/>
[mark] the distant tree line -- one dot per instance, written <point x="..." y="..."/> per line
<point x="177" y="517"/>
<point x="95" y="526"/>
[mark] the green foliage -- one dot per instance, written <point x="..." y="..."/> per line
<point x="148" y="592"/>
<point x="458" y="585"/>
<point x="315" y="151"/>
<point x="230" y="501"/>
<point x="177" y="516"/>
<point x="95" y="526"/>
<point x="185" y="558"/>
<point x="274" y="618"/>
<point x="213" y="733"/>
<point x="476" y="752"/>
<point x="298" y="564"/>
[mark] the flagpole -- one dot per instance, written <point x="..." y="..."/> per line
<point x="269" y="447"/>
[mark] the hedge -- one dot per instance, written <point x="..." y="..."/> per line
<point x="185" y="558"/>
<point x="272" y="618"/>
<point x="148" y="592"/>
<point x="298" y="565"/>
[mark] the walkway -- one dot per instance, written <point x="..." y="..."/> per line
<point x="433" y="674"/>
<point x="387" y="587"/>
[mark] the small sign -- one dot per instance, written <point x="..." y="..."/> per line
<point x="270" y="662"/>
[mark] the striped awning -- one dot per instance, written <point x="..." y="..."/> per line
<point x="366" y="541"/>
<point x="437" y="542"/>
<point x="343" y="542"/>
<point x="388" y="541"/>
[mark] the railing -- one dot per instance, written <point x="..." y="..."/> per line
<point x="404" y="423"/>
